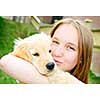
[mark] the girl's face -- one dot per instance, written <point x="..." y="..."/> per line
<point x="65" y="47"/>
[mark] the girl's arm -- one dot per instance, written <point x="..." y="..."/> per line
<point x="72" y="80"/>
<point x="21" y="70"/>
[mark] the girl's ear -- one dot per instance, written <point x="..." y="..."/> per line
<point x="22" y="52"/>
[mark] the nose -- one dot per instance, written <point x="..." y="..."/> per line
<point x="50" y="65"/>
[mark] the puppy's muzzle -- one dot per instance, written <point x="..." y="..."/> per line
<point x="50" y="66"/>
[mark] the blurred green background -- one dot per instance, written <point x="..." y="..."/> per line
<point x="11" y="29"/>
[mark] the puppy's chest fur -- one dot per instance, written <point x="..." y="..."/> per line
<point x="59" y="77"/>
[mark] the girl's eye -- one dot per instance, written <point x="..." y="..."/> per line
<point x="35" y="54"/>
<point x="71" y="48"/>
<point x="56" y="42"/>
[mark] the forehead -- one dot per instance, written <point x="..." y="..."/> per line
<point x="67" y="33"/>
<point x="40" y="46"/>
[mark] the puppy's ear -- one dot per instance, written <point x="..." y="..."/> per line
<point x="22" y="52"/>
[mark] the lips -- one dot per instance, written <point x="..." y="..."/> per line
<point x="57" y="61"/>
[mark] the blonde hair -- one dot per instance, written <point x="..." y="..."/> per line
<point x="85" y="47"/>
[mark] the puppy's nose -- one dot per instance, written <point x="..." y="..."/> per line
<point x="50" y="65"/>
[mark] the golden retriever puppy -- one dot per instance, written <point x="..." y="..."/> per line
<point x="36" y="50"/>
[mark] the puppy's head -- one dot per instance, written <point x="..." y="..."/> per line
<point x="36" y="50"/>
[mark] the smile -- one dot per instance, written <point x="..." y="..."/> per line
<point x="57" y="61"/>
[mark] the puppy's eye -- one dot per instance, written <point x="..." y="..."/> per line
<point x="49" y="51"/>
<point x="35" y="54"/>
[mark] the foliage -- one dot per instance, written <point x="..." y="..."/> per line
<point x="93" y="79"/>
<point x="9" y="30"/>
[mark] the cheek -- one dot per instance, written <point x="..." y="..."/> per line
<point x="72" y="58"/>
<point x="70" y="61"/>
<point x="51" y="46"/>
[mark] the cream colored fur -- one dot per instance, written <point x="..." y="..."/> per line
<point x="28" y="48"/>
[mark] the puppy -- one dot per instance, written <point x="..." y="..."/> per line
<point x="36" y="50"/>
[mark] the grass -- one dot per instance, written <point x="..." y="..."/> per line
<point x="9" y="30"/>
<point x="93" y="79"/>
